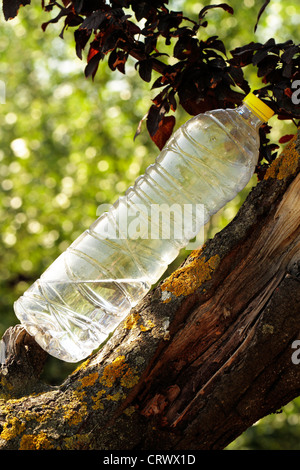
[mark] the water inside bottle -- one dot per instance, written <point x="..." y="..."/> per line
<point x="87" y="291"/>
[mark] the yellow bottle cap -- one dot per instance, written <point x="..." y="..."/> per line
<point x="258" y="107"/>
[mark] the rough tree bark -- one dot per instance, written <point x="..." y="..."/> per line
<point x="202" y="357"/>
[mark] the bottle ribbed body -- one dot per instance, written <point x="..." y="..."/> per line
<point x="92" y="286"/>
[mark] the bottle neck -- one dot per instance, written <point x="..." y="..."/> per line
<point x="249" y="116"/>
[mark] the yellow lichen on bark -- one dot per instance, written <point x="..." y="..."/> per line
<point x="115" y="397"/>
<point x="35" y="442"/>
<point x="185" y="280"/>
<point x="129" y="410"/>
<point x="75" y="409"/>
<point x="82" y="366"/>
<point x="286" y="164"/>
<point x="129" y="379"/>
<point x="98" y="400"/>
<point x="132" y="321"/>
<point x="73" y="417"/>
<point x="16" y="425"/>
<point x="6" y="389"/>
<point x="46" y="415"/>
<point x="113" y="371"/>
<point x="77" y="442"/>
<point x="88" y="380"/>
<point x="119" y="369"/>
<point x="12" y="428"/>
<point x="150" y="325"/>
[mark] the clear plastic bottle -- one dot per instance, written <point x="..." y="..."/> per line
<point x="92" y="286"/>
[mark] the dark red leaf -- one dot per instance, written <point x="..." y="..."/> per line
<point x="172" y="100"/>
<point x="150" y="43"/>
<point x="111" y="39"/>
<point x="164" y="131"/>
<point x="78" y="5"/>
<point x="94" y="49"/>
<point x="62" y="12"/>
<point x="141" y="10"/>
<point x="242" y="56"/>
<point x="156" y="115"/>
<point x="11" y="7"/>
<point x="286" y="138"/>
<point x="117" y="60"/>
<point x="221" y="5"/>
<point x="81" y="38"/>
<point x="261" y="12"/>
<point x="158" y="83"/>
<point x="93" y="21"/>
<point x="133" y="28"/>
<point x="288" y="92"/>
<point x="216" y="44"/>
<point x="71" y="20"/>
<point x="218" y="62"/>
<point x="158" y="99"/>
<point x="267" y="65"/>
<point x="168" y="21"/>
<point x="259" y="56"/>
<point x="92" y="66"/>
<point x="289" y="53"/>
<point x="287" y="70"/>
<point x="237" y="74"/>
<point x="145" y="69"/>
<point x="199" y="105"/>
<point x="153" y="119"/>
<point x="86" y="7"/>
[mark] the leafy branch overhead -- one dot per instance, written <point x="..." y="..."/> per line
<point x="202" y="74"/>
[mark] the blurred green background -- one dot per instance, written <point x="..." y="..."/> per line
<point x="67" y="146"/>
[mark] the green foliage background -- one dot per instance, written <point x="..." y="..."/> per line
<point x="67" y="146"/>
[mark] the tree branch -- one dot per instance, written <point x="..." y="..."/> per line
<point x="201" y="358"/>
